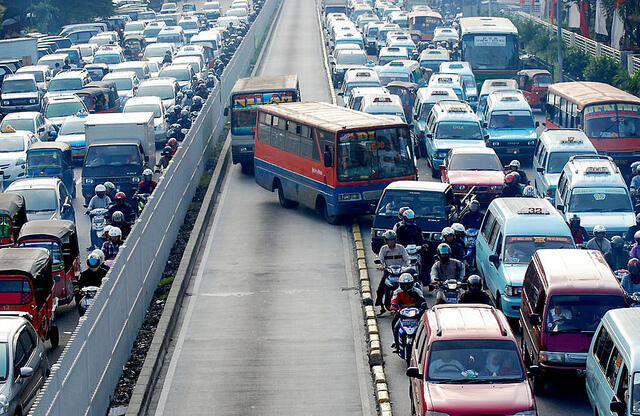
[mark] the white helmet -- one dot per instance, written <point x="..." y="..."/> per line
<point x="457" y="227"/>
<point x="115" y="232"/>
<point x="515" y="164"/>
<point x="447" y="231"/>
<point x="405" y="278"/>
<point x="100" y="188"/>
<point x="147" y="172"/>
<point x="599" y="229"/>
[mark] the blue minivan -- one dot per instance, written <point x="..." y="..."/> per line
<point x="511" y="232"/>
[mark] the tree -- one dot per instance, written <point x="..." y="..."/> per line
<point x="575" y="61"/>
<point x="602" y="69"/>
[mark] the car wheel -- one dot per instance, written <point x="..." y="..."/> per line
<point x="54" y="336"/>
<point x="331" y="219"/>
<point x="525" y="352"/>
<point x="284" y="202"/>
<point x="247" y="168"/>
<point x="538" y="383"/>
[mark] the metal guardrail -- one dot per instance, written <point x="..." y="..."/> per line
<point x="83" y="379"/>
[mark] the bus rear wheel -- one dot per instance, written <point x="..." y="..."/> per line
<point x="284" y="202"/>
<point x="324" y="211"/>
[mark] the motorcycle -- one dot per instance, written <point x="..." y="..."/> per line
<point x="98" y="222"/>
<point x="407" y="327"/>
<point x="391" y="280"/>
<point x="88" y="294"/>
<point x="471" y="234"/>
<point x="141" y="201"/>
<point x="449" y="291"/>
<point x="414" y="257"/>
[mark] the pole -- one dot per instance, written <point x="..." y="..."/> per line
<point x="559" y="26"/>
<point x="489" y="8"/>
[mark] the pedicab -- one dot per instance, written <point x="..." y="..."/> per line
<point x="407" y="93"/>
<point x="13" y="215"/>
<point x="136" y="44"/>
<point x="26" y="285"/>
<point x="59" y="237"/>
<point x="52" y="159"/>
<point x="534" y="84"/>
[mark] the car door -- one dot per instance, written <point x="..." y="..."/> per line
<point x="25" y="355"/>
<point x="66" y="209"/>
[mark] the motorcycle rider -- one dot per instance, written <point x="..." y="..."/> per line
<point x="173" y="143"/>
<point x="165" y="158"/>
<point x="405" y="296"/>
<point x="446" y="267"/>
<point x="474" y="293"/>
<point x="529" y="192"/>
<point x="631" y="282"/>
<point x="111" y="190"/>
<point x="123" y="206"/>
<point x="635" y="249"/>
<point x="147" y="184"/>
<point x="99" y="200"/>
<point x="617" y="257"/>
<point x="201" y="90"/>
<point x="511" y="185"/>
<point x="391" y="254"/>
<point x="631" y="232"/>
<point x="111" y="247"/>
<point x="634" y="184"/>
<point x="180" y="99"/>
<point x="449" y="237"/>
<point x="197" y="104"/>
<point x="407" y="231"/>
<point x="167" y="58"/>
<point x="174" y="114"/>
<point x="117" y="220"/>
<point x="514" y="166"/>
<point x="599" y="241"/>
<point x="93" y="275"/>
<point x="473" y="217"/>
<point x="211" y="81"/>
<point x="578" y="232"/>
<point x="188" y="101"/>
<point x="185" y="119"/>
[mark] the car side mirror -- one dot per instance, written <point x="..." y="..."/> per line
<point x="226" y="111"/>
<point x="533" y="371"/>
<point x="494" y="258"/>
<point x="413" y="372"/>
<point x="534" y="319"/>
<point x="377" y="261"/>
<point x="486" y="137"/>
<point x="537" y="124"/>
<point x="428" y="135"/>
<point x="618" y="407"/>
<point x="328" y="160"/>
<point x="560" y="208"/>
<point x="540" y="169"/>
<point x="26" y="372"/>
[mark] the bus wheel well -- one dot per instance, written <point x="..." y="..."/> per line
<point x="320" y="203"/>
<point x="275" y="185"/>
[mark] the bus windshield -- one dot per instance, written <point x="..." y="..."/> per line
<point x="600" y="200"/>
<point x="243" y="114"/>
<point x="612" y="120"/>
<point x="374" y="154"/>
<point x="490" y="51"/>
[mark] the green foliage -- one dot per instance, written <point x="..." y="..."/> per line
<point x="51" y="15"/>
<point x="602" y="69"/>
<point x="575" y="61"/>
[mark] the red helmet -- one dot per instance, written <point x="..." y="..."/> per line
<point x="172" y="142"/>
<point x="200" y="81"/>
<point x="120" y="196"/>
<point x="512" y="177"/>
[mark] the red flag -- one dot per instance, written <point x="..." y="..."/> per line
<point x="552" y="13"/>
<point x="584" y="18"/>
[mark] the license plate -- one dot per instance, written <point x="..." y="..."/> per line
<point x="513" y="151"/>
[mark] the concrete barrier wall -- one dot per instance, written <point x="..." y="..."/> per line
<point x="85" y="376"/>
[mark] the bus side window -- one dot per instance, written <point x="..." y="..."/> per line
<point x="264" y="128"/>
<point x="308" y="148"/>
<point x="292" y="139"/>
<point x="327" y="140"/>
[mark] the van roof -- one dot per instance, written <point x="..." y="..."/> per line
<point x="490" y="85"/>
<point x="593" y="169"/>
<point x="467" y="321"/>
<point x="573" y="271"/>
<point x="418" y="186"/>
<point x="507" y="100"/>
<point x="566" y="140"/>
<point x="431" y="93"/>
<point x="530" y="214"/>
<point x="457" y="110"/>
<point x="625" y="322"/>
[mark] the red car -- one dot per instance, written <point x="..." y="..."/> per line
<point x="466" y="167"/>
<point x="465" y="361"/>
<point x="534" y="84"/>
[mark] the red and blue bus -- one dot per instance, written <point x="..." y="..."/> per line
<point x="609" y="117"/>
<point x="247" y="94"/>
<point x="330" y="158"/>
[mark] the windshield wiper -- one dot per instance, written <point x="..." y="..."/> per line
<point x="463" y="380"/>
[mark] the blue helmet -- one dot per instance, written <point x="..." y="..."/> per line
<point x="409" y="216"/>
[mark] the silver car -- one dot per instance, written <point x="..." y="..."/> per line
<point x="23" y="363"/>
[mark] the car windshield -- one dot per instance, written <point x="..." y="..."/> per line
<point x="543" y="81"/>
<point x="352" y="59"/>
<point x="85" y="51"/>
<point x="557" y="160"/>
<point x="38" y="75"/>
<point x="72" y="127"/>
<point x="63" y="109"/>
<point x="520" y="249"/>
<point x="177" y="73"/>
<point x="65" y="84"/>
<point x="511" y="120"/>
<point x="189" y="25"/>
<point x="374" y="154"/>
<point x="470" y="161"/>
<point x="155" y="51"/>
<point x="459" y="130"/>
<point x="425" y="204"/>
<point x="118" y="155"/>
<point x="387" y="78"/>
<point x="122" y="84"/>
<point x="474" y="360"/>
<point x="18" y="85"/>
<point x="36" y="200"/>
<point x="141" y="108"/>
<point x="600" y="200"/>
<point x="165" y="92"/>
<point x="18" y="124"/>
<point x="11" y="144"/>
<point x="349" y="86"/>
<point x="134" y="26"/>
<point x="51" y="246"/>
<point x="107" y="59"/>
<point x="579" y="313"/>
<point x="169" y="38"/>
<point x="612" y="120"/>
<point x="152" y="32"/>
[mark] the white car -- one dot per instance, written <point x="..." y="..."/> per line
<point x="57" y="108"/>
<point x="13" y="153"/>
<point x="31" y="121"/>
<point x="126" y="82"/>
<point x="168" y="8"/>
<point x="150" y="105"/>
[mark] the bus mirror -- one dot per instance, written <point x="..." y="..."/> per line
<point x="328" y="162"/>
<point x="226" y="111"/>
<point x="560" y="208"/>
<point x="618" y="407"/>
<point x="540" y="169"/>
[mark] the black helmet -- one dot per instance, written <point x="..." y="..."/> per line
<point x="177" y="108"/>
<point x="167" y="151"/>
<point x="574" y="220"/>
<point x="617" y="241"/>
<point x="117" y="216"/>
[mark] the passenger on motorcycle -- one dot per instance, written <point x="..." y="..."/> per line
<point x="474" y="293"/>
<point x="167" y="58"/>
<point x="111" y="190"/>
<point x="529" y="192"/>
<point x="599" y="241"/>
<point x="618" y="257"/>
<point x="578" y="232"/>
<point x="407" y="231"/>
<point x="188" y="101"/>
<point x="446" y="267"/>
<point x="511" y="185"/>
<point x="391" y="207"/>
<point x="449" y="237"/>
<point x="165" y="158"/>
<point x="631" y="282"/>
<point x="174" y="115"/>
<point x="514" y="166"/>
<point x="111" y="247"/>
<point x="99" y="200"/>
<point x="473" y="217"/>
<point x="211" y="81"/>
<point x="123" y="206"/>
<point x="93" y="275"/>
<point x="185" y="119"/>
<point x="147" y="184"/>
<point x="117" y="220"/>
<point x="201" y="90"/>
<point x="197" y="104"/>
<point x="406" y="296"/>
<point x="173" y="143"/>
<point x="635" y="249"/>
<point x="391" y="254"/>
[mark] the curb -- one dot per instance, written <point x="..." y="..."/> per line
<point x="374" y="349"/>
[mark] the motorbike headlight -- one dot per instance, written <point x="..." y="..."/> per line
<point x="135" y="179"/>
<point x="87" y="181"/>
<point x="512" y="290"/>
<point x="531" y="412"/>
<point x="552" y="357"/>
<point x="4" y="404"/>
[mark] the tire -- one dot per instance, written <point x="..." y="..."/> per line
<point x="54" y="336"/>
<point x="284" y="202"/>
<point x="407" y="353"/>
<point x="538" y="384"/>
<point x="247" y="168"/>
<point x="525" y="352"/>
<point x="331" y="219"/>
<point x="413" y="406"/>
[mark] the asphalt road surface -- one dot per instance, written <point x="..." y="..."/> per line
<point x="273" y="324"/>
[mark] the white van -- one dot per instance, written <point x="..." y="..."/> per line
<point x="383" y="104"/>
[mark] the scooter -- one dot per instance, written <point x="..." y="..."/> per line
<point x="407" y="326"/>
<point x="88" y="294"/>
<point x="414" y="257"/>
<point x="471" y="235"/>
<point x="141" y="200"/>
<point x="98" y="222"/>
<point x="391" y="281"/>
<point x="449" y="291"/>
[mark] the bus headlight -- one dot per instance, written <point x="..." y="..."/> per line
<point x="495" y="144"/>
<point x="350" y="197"/>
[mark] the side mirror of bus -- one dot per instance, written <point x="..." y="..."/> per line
<point x="540" y="169"/>
<point x="328" y="160"/>
<point x="226" y="111"/>
<point x="560" y="208"/>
